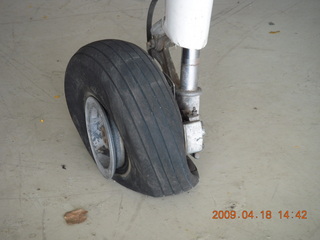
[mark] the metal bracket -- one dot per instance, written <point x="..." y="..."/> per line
<point x="158" y="48"/>
<point x="193" y="132"/>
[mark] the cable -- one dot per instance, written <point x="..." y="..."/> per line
<point x="149" y="18"/>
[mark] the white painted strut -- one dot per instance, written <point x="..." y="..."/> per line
<point x="187" y="22"/>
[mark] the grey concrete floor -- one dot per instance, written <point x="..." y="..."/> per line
<point x="260" y="74"/>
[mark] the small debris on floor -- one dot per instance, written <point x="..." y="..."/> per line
<point x="41" y="120"/>
<point x="233" y="206"/>
<point x="271" y="23"/>
<point x="274" y="32"/>
<point x="63" y="166"/>
<point x="57" y="96"/>
<point x="76" y="216"/>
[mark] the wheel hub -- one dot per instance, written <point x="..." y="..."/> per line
<point x="105" y="141"/>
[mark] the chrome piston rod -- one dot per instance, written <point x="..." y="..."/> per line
<point x="188" y="94"/>
<point x="189" y="69"/>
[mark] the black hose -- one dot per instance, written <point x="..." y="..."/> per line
<point x="149" y="18"/>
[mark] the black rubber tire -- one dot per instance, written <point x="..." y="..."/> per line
<point x="134" y="93"/>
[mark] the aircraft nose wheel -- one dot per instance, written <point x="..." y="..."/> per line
<point x="104" y="138"/>
<point x="128" y="119"/>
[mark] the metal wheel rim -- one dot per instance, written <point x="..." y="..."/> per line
<point x="102" y="135"/>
